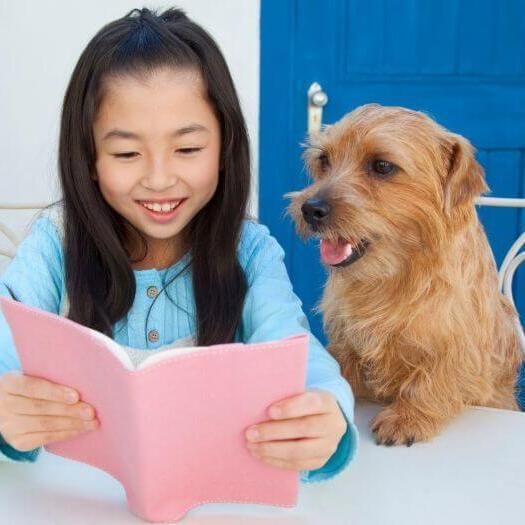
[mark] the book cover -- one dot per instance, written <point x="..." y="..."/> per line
<point x="172" y="425"/>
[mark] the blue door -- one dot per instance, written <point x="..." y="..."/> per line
<point x="461" y="62"/>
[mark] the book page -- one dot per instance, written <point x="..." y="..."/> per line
<point x="143" y="358"/>
<point x="137" y="358"/>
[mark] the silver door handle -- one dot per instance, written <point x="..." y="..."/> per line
<point x="317" y="99"/>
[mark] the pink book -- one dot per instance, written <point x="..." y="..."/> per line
<point x="172" y="427"/>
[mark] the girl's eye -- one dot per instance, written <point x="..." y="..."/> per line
<point x="127" y="155"/>
<point x="383" y="167"/>
<point x="188" y="151"/>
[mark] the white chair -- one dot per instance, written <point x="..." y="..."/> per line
<point x="505" y="276"/>
<point x="10" y="234"/>
<point x="513" y="258"/>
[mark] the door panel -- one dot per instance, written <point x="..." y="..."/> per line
<point x="461" y="62"/>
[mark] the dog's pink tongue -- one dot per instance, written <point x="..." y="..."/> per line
<point x="335" y="252"/>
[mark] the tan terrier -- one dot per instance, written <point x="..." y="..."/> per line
<point x="411" y="307"/>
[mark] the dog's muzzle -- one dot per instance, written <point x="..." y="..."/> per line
<point x="316" y="212"/>
<point x="355" y="254"/>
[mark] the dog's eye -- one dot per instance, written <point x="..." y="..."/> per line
<point x="323" y="161"/>
<point x="383" y="167"/>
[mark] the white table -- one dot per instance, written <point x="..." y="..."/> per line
<point x="473" y="473"/>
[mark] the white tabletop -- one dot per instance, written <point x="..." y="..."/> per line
<point x="474" y="472"/>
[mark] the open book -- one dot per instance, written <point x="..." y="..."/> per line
<point x="172" y="427"/>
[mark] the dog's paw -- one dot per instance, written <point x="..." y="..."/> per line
<point x="400" y="426"/>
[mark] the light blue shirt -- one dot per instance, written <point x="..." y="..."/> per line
<point x="271" y="311"/>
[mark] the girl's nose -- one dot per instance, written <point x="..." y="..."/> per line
<point x="160" y="176"/>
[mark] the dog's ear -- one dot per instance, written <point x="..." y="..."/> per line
<point x="465" y="179"/>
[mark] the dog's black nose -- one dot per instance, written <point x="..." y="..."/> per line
<point x="315" y="211"/>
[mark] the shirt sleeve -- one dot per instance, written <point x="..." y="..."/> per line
<point x="273" y="311"/>
<point x="34" y="277"/>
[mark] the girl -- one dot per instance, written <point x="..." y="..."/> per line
<point x="151" y="244"/>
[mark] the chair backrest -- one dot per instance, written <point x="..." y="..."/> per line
<point x="506" y="272"/>
<point x="11" y="236"/>
<point x="513" y="258"/>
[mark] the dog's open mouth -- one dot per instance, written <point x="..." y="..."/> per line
<point x="342" y="253"/>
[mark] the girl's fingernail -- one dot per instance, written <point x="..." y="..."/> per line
<point x="87" y="413"/>
<point x="253" y="434"/>
<point x="275" y="411"/>
<point x="71" y="396"/>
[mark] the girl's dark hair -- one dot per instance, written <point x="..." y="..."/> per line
<point x="99" y="277"/>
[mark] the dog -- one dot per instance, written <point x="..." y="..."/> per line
<point x="411" y="306"/>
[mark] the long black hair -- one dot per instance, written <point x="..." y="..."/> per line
<point x="99" y="277"/>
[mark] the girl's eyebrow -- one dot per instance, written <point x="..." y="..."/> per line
<point x="191" y="128"/>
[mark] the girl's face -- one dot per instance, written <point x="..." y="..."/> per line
<point x="157" y="140"/>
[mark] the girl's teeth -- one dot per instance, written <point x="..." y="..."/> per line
<point x="166" y="207"/>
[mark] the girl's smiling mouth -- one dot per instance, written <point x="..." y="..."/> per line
<point x="162" y="210"/>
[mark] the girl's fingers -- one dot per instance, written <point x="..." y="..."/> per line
<point x="26" y="406"/>
<point x="32" y="440"/>
<point x="308" y="403"/>
<point x="293" y="451"/>
<point x="304" y="427"/>
<point x="34" y="424"/>
<point x="35" y="387"/>
<point x="35" y="412"/>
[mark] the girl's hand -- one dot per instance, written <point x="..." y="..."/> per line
<point x="34" y="412"/>
<point x="313" y="418"/>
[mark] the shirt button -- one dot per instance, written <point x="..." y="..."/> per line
<point x="152" y="291"/>
<point x="153" y="336"/>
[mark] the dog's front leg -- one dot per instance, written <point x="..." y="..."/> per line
<point x="418" y="412"/>
<point x="352" y="370"/>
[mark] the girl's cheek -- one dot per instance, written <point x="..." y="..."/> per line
<point x="207" y="175"/>
<point x="116" y="179"/>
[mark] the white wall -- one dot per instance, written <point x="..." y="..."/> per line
<point x="40" y="42"/>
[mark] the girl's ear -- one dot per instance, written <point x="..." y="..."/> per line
<point x="465" y="179"/>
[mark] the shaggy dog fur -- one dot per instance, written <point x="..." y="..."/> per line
<point x="411" y="307"/>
